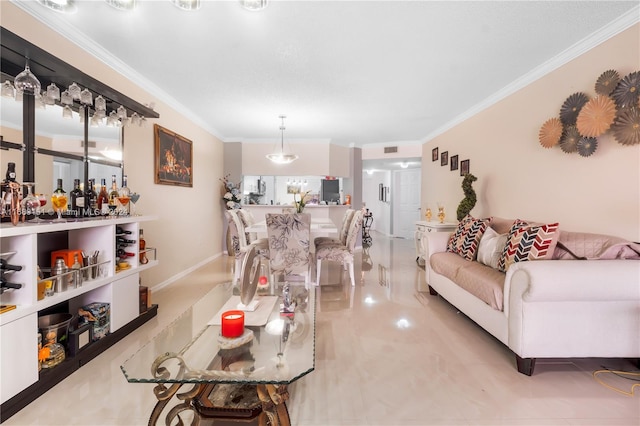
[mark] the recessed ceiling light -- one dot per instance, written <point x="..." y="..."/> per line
<point x="254" y="5"/>
<point x="122" y="4"/>
<point x="63" y="6"/>
<point x="187" y="4"/>
<point x="404" y="165"/>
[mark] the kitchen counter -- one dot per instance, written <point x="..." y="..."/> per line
<point x="332" y="212"/>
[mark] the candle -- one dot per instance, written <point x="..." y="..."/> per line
<point x="232" y="324"/>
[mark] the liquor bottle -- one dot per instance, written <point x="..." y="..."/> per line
<point x="103" y="198"/>
<point x="59" y="201"/>
<point x="121" y="253"/>
<point x="124" y="195"/>
<point x="6" y="195"/>
<point x="92" y="197"/>
<point x="77" y="199"/>
<point x="142" y="246"/>
<point x="5" y="266"/>
<point x="113" y="194"/>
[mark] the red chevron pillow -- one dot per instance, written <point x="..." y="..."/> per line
<point x="466" y="239"/>
<point x="528" y="243"/>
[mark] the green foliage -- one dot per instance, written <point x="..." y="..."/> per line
<point x="469" y="200"/>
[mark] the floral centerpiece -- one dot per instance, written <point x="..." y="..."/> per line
<point x="300" y="204"/>
<point x="231" y="193"/>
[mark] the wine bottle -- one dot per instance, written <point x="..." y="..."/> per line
<point x="121" y="230"/>
<point x="77" y="199"/>
<point x="5" y="285"/>
<point x="122" y="253"/>
<point x="142" y="246"/>
<point x="103" y="198"/>
<point x="6" y="195"/>
<point x="5" y="266"/>
<point x="124" y="190"/>
<point x="92" y="198"/>
<point x="124" y="240"/>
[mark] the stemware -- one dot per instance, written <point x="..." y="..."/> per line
<point x="42" y="199"/>
<point x="133" y="198"/>
<point x="59" y="201"/>
<point x="30" y="204"/>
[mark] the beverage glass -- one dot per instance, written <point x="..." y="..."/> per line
<point x="42" y="199"/>
<point x="59" y="201"/>
<point x="134" y="199"/>
<point x="30" y="203"/>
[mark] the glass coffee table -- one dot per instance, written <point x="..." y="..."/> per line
<point x="242" y="379"/>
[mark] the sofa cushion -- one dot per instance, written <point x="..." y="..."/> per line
<point x="583" y="245"/>
<point x="465" y="240"/>
<point x="480" y="280"/>
<point x="528" y="243"/>
<point x="491" y="246"/>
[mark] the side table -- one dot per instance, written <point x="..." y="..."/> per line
<point x="423" y="227"/>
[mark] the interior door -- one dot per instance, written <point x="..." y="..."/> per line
<point x="406" y="202"/>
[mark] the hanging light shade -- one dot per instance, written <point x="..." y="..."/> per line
<point x="74" y="91"/>
<point x="254" y="5"/>
<point x="187" y="4"/>
<point x="66" y="98"/>
<point x="280" y="157"/>
<point x="122" y="4"/>
<point x="63" y="6"/>
<point x="100" y="103"/>
<point x="53" y="93"/>
<point x="26" y="82"/>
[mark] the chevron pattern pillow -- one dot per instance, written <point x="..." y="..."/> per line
<point x="466" y="239"/>
<point x="528" y="243"/>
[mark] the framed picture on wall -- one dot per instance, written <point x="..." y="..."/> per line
<point x="444" y="158"/>
<point x="173" y="158"/>
<point x="434" y="154"/>
<point x="464" y="167"/>
<point x="381" y="192"/>
<point x="454" y="162"/>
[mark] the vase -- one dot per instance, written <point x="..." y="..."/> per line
<point x="428" y="214"/>
<point x="441" y="214"/>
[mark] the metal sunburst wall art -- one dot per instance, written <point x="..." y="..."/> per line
<point x="582" y="120"/>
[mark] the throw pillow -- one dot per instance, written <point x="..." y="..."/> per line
<point x="528" y="243"/>
<point x="465" y="240"/>
<point x="490" y="247"/>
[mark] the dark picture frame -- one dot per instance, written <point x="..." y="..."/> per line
<point x="464" y="167"/>
<point x="434" y="154"/>
<point x="444" y="158"/>
<point x="173" y="158"/>
<point x="454" y="162"/>
<point x="381" y="192"/>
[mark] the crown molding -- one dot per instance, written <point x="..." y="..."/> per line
<point x="618" y="25"/>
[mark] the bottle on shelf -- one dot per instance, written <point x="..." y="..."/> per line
<point x="10" y="176"/>
<point x="92" y="198"/>
<point x="77" y="199"/>
<point x="120" y="230"/>
<point x="6" y="285"/>
<point x="113" y="194"/>
<point x="123" y="240"/>
<point x="142" y="246"/>
<point x="103" y="198"/>
<point x="59" y="201"/>
<point x="121" y="253"/>
<point x="6" y="266"/>
<point x="124" y="195"/>
<point x="76" y="278"/>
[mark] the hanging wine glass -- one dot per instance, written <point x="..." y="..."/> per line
<point x="59" y="201"/>
<point x="133" y="199"/>
<point x="30" y="204"/>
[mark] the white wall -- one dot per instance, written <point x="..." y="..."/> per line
<point x="381" y="211"/>
<point x="517" y="177"/>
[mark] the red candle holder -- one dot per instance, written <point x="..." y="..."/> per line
<point x="232" y="324"/>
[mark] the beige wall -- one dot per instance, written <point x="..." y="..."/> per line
<point x="519" y="178"/>
<point x="189" y="229"/>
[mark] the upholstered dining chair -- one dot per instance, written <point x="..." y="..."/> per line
<point x="344" y="230"/>
<point x="288" y="236"/>
<point x="341" y="252"/>
<point x="240" y="240"/>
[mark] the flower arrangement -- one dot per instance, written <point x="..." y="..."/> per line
<point x="231" y="193"/>
<point x="300" y="204"/>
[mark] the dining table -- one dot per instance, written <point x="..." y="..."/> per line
<point x="320" y="227"/>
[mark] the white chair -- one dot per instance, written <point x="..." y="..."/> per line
<point x="240" y="240"/>
<point x="341" y="252"/>
<point x="344" y="230"/>
<point x="288" y="236"/>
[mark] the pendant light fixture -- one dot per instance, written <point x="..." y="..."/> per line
<point x="63" y="6"/>
<point x="187" y="4"/>
<point x="254" y="5"/>
<point x="279" y="156"/>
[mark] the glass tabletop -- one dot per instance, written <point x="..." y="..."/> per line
<point x="191" y="351"/>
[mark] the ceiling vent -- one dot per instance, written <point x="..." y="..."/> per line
<point x="390" y="149"/>
<point x="91" y="144"/>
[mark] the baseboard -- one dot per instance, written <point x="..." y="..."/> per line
<point x="185" y="272"/>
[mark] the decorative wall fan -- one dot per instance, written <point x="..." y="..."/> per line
<point x="550" y="132"/>
<point x="569" y="142"/>
<point x="587" y="146"/>
<point x="626" y="128"/>
<point x="571" y="108"/>
<point x="607" y="82"/>
<point x="596" y="116"/>
<point x="628" y="90"/>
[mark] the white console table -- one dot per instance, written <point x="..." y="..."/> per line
<point x="423" y="227"/>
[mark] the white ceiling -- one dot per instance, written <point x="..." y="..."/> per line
<point x="352" y="72"/>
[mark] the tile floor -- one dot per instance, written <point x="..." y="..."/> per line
<point x="387" y="354"/>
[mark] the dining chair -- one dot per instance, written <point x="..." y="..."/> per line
<point x="338" y="252"/>
<point x="344" y="230"/>
<point x="288" y="236"/>
<point x="240" y="241"/>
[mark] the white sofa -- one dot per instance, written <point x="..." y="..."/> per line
<point x="553" y="308"/>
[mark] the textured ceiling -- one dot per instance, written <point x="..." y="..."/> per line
<point x="353" y="73"/>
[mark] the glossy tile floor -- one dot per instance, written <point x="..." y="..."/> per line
<point x="387" y="353"/>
